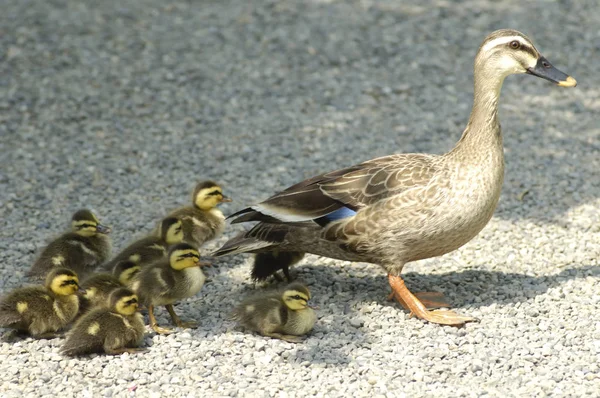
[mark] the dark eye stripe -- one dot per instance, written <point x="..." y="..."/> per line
<point x="529" y="50"/>
<point x="188" y="255"/>
<point x="215" y="193"/>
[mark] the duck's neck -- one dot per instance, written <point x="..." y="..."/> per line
<point x="483" y="130"/>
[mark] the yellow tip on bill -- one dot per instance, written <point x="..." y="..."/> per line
<point x="570" y="82"/>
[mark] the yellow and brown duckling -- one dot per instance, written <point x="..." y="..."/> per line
<point x="126" y="270"/>
<point x="150" y="248"/>
<point x="113" y="329"/>
<point x="169" y="281"/>
<point x="82" y="249"/>
<point x="268" y="263"/>
<point x="98" y="287"/>
<point x="202" y="221"/>
<point x="283" y="315"/>
<point x="41" y="311"/>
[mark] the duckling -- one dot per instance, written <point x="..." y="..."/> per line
<point x="202" y="221"/>
<point x="114" y="329"/>
<point x="150" y="248"/>
<point x="282" y="315"/>
<point x="98" y="287"/>
<point x="268" y="263"/>
<point x="82" y="249"/>
<point x="168" y="281"/>
<point x="41" y="311"/>
<point x="125" y="271"/>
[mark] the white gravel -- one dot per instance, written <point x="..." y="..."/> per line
<point x="123" y="107"/>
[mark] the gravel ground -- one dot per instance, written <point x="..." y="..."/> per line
<point x="123" y="106"/>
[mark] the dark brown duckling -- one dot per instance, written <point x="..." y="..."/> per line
<point x="268" y="263"/>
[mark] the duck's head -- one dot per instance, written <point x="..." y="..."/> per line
<point x="182" y="256"/>
<point x="125" y="270"/>
<point x="296" y="296"/>
<point x="171" y="230"/>
<point x="85" y="223"/>
<point x="62" y="282"/>
<point x="208" y="194"/>
<point x="124" y="301"/>
<point x="507" y="52"/>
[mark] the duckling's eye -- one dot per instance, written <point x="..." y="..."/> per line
<point x="515" y="44"/>
<point x="130" y="302"/>
<point x="297" y="297"/>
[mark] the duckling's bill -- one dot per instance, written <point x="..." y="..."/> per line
<point x="102" y="229"/>
<point x="545" y="70"/>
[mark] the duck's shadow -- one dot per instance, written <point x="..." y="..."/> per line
<point x="471" y="287"/>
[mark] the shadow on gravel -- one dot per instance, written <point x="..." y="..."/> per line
<point x="476" y="288"/>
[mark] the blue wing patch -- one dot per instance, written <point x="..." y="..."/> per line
<point x="339" y="214"/>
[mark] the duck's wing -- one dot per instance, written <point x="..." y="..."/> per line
<point x="342" y="192"/>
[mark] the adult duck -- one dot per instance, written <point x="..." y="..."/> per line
<point x="405" y="207"/>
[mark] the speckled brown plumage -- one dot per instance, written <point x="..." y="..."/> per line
<point x="405" y="207"/>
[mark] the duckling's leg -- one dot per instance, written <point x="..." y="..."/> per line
<point x="178" y="322"/>
<point x="285" y="337"/>
<point x="418" y="309"/>
<point x="48" y="335"/>
<point x="286" y="272"/>
<point x="153" y="323"/>
<point x="118" y="351"/>
<point x="431" y="300"/>
<point x="12" y="335"/>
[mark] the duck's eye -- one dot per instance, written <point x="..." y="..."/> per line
<point x="515" y="44"/>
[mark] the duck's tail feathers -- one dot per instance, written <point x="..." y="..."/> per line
<point x="262" y="237"/>
<point x="248" y="214"/>
<point x="241" y="245"/>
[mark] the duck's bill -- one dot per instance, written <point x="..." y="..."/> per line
<point x="226" y="199"/>
<point x="103" y="229"/>
<point x="545" y="70"/>
<point x="81" y="291"/>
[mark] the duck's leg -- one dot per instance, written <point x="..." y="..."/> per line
<point x="177" y="321"/>
<point x="418" y="309"/>
<point x="153" y="323"/>
<point x="431" y="300"/>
